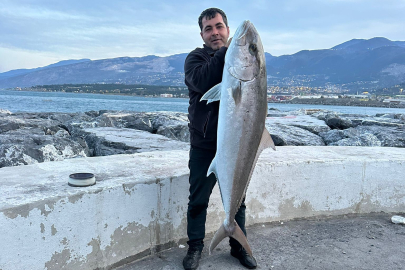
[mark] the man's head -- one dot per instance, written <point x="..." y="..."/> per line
<point x="214" y="28"/>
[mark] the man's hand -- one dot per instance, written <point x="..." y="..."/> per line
<point x="228" y="43"/>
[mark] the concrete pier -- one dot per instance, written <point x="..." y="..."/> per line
<point x="138" y="206"/>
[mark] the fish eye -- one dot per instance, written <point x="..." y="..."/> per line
<point x="252" y="49"/>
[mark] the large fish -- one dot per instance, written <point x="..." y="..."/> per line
<point x="242" y="135"/>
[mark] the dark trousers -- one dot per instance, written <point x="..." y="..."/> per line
<point x="200" y="191"/>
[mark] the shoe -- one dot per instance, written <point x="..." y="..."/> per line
<point x="244" y="258"/>
<point x="190" y="262"/>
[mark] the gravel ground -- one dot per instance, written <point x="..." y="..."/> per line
<point x="368" y="241"/>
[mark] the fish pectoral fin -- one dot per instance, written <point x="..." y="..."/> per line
<point x="266" y="141"/>
<point x="239" y="236"/>
<point x="237" y="92"/>
<point x="214" y="94"/>
<point x="212" y="168"/>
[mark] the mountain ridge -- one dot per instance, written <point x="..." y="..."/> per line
<point x="375" y="62"/>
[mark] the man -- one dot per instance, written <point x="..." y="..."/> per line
<point x="203" y="69"/>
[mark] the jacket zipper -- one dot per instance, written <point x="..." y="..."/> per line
<point x="206" y="124"/>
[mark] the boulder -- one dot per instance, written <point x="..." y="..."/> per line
<point x="365" y="139"/>
<point x="291" y="135"/>
<point x="134" y="120"/>
<point x="105" y="141"/>
<point x="177" y="132"/>
<point x="307" y="122"/>
<point x="31" y="145"/>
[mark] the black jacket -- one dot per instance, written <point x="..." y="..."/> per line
<point x="203" y="69"/>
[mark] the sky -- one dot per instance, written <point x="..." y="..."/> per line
<point x="35" y="33"/>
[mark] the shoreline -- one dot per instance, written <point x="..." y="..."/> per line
<point x="347" y="103"/>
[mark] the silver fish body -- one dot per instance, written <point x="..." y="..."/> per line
<point x="241" y="125"/>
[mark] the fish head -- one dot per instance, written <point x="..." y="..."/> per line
<point x="245" y="58"/>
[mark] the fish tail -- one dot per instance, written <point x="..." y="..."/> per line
<point x="236" y="233"/>
<point x="239" y="236"/>
<point x="218" y="236"/>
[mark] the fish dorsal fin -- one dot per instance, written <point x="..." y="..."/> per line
<point x="213" y="168"/>
<point x="214" y="94"/>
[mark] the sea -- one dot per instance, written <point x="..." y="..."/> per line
<point x="27" y="101"/>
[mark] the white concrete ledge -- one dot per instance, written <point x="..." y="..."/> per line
<point x="139" y="203"/>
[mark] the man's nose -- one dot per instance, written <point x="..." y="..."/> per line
<point x="215" y="31"/>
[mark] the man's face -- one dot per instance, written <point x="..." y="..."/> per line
<point x="214" y="32"/>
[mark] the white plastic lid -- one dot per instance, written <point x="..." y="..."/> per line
<point x="81" y="179"/>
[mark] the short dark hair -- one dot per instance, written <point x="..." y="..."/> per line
<point x="210" y="13"/>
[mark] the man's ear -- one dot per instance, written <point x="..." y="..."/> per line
<point x="201" y="35"/>
<point x="227" y="28"/>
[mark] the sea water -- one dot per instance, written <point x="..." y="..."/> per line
<point x="26" y="101"/>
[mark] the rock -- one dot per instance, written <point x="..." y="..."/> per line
<point x="30" y="145"/>
<point x="164" y="119"/>
<point x="399" y="116"/>
<point x="385" y="120"/>
<point x="306" y="122"/>
<point x="133" y="120"/>
<point x="4" y="111"/>
<point x="176" y="132"/>
<point x="380" y="123"/>
<point x="62" y="134"/>
<point x="291" y="135"/>
<point x="387" y="136"/>
<point x="366" y="139"/>
<point x="27" y="138"/>
<point x="111" y="141"/>
<point x="337" y="122"/>
<point x="332" y="136"/>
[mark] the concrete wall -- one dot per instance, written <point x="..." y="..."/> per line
<point x="139" y="203"/>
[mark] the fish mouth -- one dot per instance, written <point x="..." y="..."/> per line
<point x="246" y="26"/>
<point x="243" y="29"/>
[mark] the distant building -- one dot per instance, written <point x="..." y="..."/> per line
<point x="394" y="101"/>
<point x="309" y="97"/>
<point x="166" y="95"/>
<point x="359" y="96"/>
<point x="279" y="97"/>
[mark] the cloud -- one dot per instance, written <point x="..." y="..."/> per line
<point x="47" y="30"/>
<point x="15" y="58"/>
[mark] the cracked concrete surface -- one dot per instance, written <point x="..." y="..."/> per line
<point x="361" y="242"/>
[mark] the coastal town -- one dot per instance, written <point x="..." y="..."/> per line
<point x="331" y="95"/>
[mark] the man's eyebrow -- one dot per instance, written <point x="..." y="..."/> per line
<point x="217" y="24"/>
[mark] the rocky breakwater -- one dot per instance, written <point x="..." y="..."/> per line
<point x="321" y="127"/>
<point x="27" y="138"/>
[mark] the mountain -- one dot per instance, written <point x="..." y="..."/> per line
<point x="17" y="72"/>
<point x="355" y="64"/>
<point x="356" y="45"/>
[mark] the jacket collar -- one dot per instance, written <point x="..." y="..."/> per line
<point x="209" y="50"/>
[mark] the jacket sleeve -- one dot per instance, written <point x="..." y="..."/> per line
<point x="202" y="73"/>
